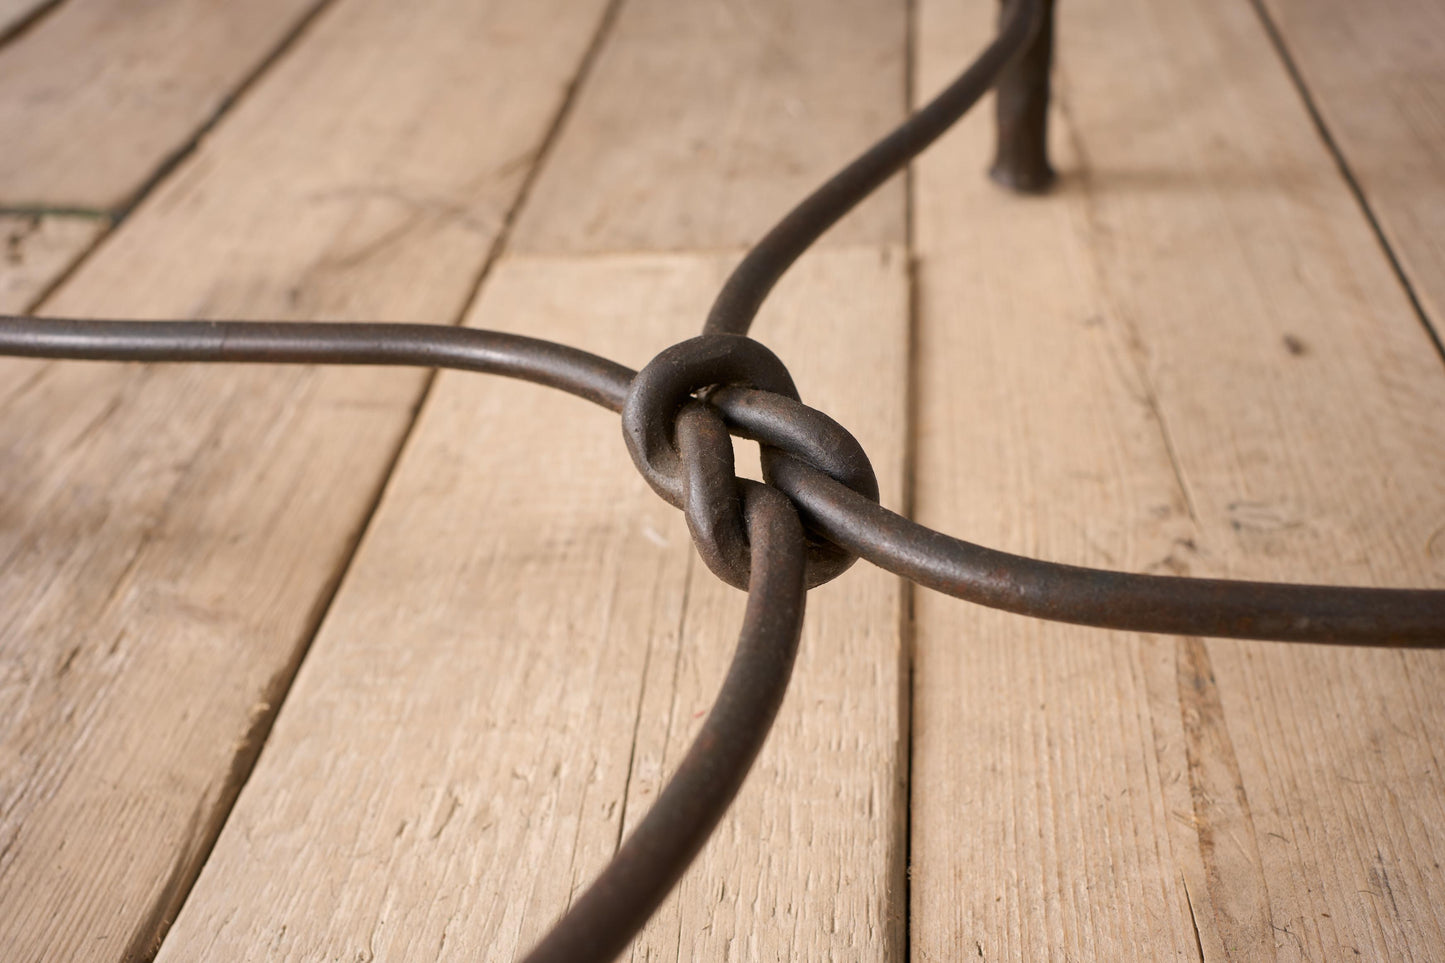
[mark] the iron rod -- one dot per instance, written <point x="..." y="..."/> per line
<point x="1021" y="106"/>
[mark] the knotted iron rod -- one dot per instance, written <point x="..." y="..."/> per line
<point x="614" y="908"/>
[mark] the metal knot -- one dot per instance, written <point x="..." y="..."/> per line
<point x="677" y="421"/>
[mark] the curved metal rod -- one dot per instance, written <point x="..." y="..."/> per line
<point x="1170" y="604"/>
<point x="611" y="911"/>
<point x="614" y="908"/>
<point x="747" y="287"/>
<point x="542" y="362"/>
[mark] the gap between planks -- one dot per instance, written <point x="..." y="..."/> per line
<point x="36" y="251"/>
<point x="1205" y="312"/>
<point x="171" y="532"/>
<point x="1371" y="80"/>
<point x="185" y="185"/>
<point x="111" y="73"/>
<point x="878" y="905"/>
<point x="48" y="241"/>
<point x="510" y="668"/>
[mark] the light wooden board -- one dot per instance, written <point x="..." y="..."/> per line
<point x="525" y="644"/>
<point x="706" y="121"/>
<point x="101" y="93"/>
<point x="169" y="536"/>
<point x="1376" y="74"/>
<point x="1193" y="358"/>
<point x="583" y="744"/>
<point x="35" y="250"/>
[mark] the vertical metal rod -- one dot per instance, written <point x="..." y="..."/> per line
<point x="1022" y="160"/>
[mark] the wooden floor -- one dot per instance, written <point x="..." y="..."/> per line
<point x="362" y="665"/>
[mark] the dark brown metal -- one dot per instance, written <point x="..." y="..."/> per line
<point x="804" y="454"/>
<point x="676" y="415"/>
<point x="609" y="913"/>
<point x="274" y="342"/>
<point x="1021" y="160"/>
<point x="699" y="479"/>
<point x="1165" y="604"/>
<point x="746" y="288"/>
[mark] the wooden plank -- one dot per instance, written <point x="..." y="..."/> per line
<point x="1192" y="358"/>
<point x="1376" y="75"/>
<point x="705" y="121"/>
<point x="810" y="863"/>
<point x="581" y="744"/>
<point x="169" y="536"/>
<point x="98" y="96"/>
<point x="525" y="643"/>
<point x="35" y="250"/>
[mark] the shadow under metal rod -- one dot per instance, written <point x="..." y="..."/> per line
<point x="748" y="286"/>
<point x="1165" y="604"/>
<point x="614" y="908"/>
<point x="610" y="912"/>
<point x="1168" y="604"/>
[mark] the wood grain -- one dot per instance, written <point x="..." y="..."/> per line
<point x="580" y="639"/>
<point x="704" y="122"/>
<point x="35" y="250"/>
<point x="1376" y="75"/>
<point x="169" y="536"/>
<point x="525" y="643"/>
<point x="809" y="865"/>
<point x="1193" y="358"/>
<point x="101" y="93"/>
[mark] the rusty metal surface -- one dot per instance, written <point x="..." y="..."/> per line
<point x="818" y="511"/>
